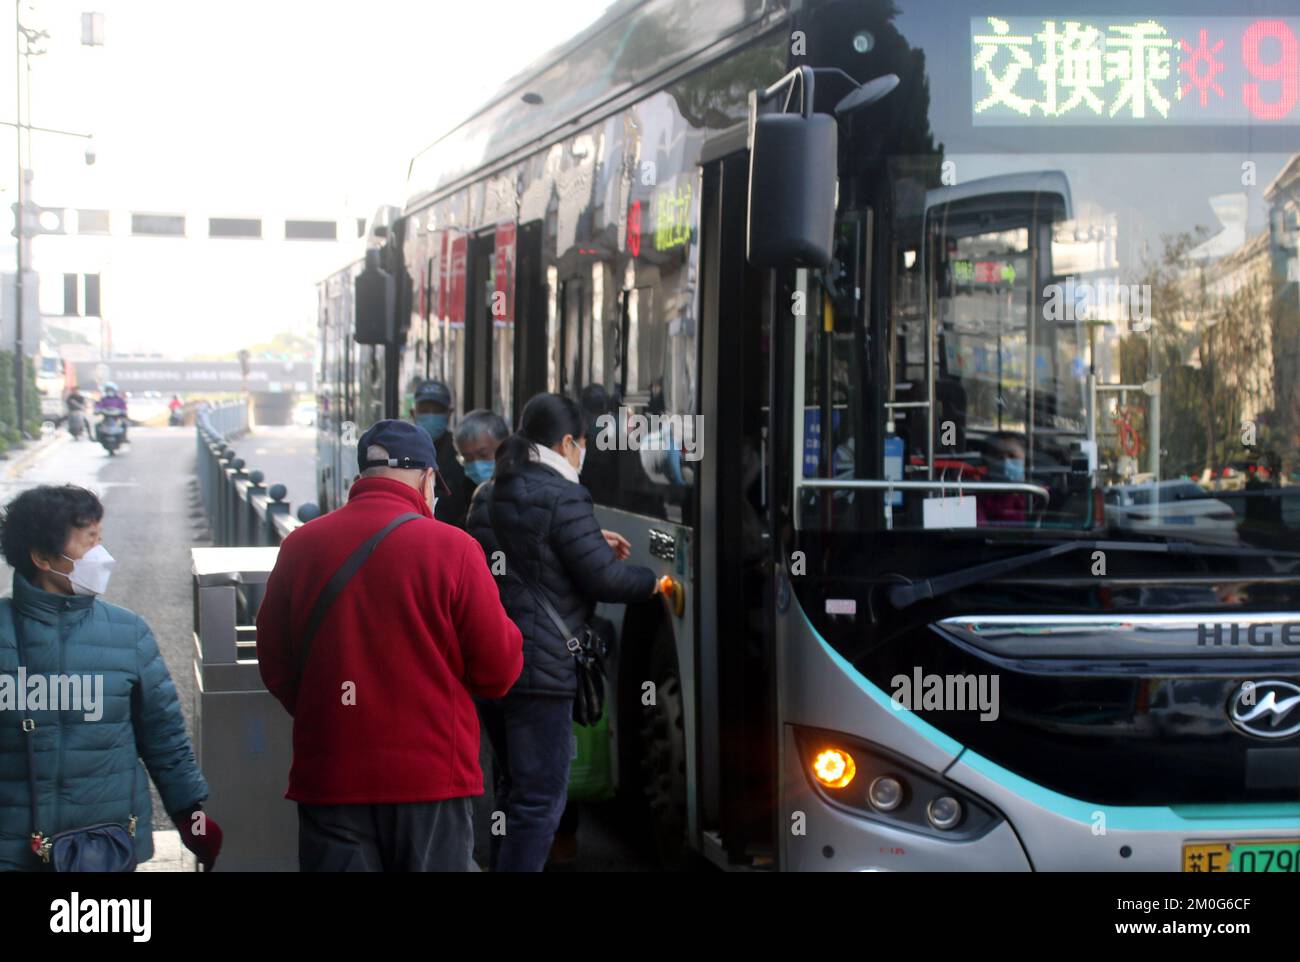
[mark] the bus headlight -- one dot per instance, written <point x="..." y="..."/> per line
<point x="834" y="768"/>
<point x="874" y="783"/>
<point x="944" y="812"/>
<point x="885" y="793"/>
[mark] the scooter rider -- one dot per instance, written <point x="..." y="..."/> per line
<point x="75" y="405"/>
<point x="112" y="403"/>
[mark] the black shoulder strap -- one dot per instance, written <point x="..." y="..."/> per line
<point x="340" y="578"/>
<point x="570" y="639"/>
<point x="29" y="727"/>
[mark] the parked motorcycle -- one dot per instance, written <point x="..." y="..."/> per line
<point x="111" y="431"/>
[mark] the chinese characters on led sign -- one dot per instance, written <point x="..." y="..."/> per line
<point x="673" y="217"/>
<point x="983" y="272"/>
<point x="1130" y="70"/>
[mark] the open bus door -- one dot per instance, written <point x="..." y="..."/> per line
<point x="766" y="208"/>
<point x="737" y="664"/>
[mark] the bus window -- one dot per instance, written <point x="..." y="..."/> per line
<point x="554" y="309"/>
<point x="635" y="379"/>
<point x="593" y="335"/>
<point x="1004" y="411"/>
<point x="832" y="403"/>
<point x="573" y="317"/>
<point x="458" y="347"/>
<point x="986" y="404"/>
<point x="638" y="303"/>
<point x="531" y="317"/>
<point x="413" y="361"/>
<point x="987" y="395"/>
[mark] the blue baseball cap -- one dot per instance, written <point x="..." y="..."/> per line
<point x="408" y="446"/>
<point x="434" y="391"/>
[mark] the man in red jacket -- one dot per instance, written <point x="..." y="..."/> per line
<point x="385" y="733"/>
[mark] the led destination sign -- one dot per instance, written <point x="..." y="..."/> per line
<point x="1118" y="69"/>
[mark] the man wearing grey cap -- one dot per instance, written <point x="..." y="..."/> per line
<point x="431" y="410"/>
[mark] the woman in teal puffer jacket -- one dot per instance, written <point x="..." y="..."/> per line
<point x="113" y="712"/>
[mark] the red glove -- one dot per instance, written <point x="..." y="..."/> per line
<point x="200" y="834"/>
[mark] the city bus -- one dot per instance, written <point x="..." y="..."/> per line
<point x="925" y="347"/>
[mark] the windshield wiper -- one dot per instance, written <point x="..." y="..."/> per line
<point x="900" y="596"/>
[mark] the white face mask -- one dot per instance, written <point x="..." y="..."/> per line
<point x="582" y="456"/>
<point x="90" y="572"/>
<point x="431" y="499"/>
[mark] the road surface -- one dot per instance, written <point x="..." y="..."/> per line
<point x="285" y="455"/>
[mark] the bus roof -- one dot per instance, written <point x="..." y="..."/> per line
<point x="630" y="44"/>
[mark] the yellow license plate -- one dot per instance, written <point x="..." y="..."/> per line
<point x="1253" y="855"/>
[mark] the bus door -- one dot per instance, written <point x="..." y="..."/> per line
<point x="481" y="272"/>
<point x="490" y="322"/>
<point x="736" y="658"/>
<point x="531" y="319"/>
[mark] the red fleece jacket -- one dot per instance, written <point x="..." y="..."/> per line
<point x="383" y="712"/>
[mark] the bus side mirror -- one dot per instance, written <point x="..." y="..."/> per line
<point x="793" y="171"/>
<point x="374" y="303"/>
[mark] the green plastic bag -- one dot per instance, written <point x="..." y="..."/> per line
<point x="590" y="776"/>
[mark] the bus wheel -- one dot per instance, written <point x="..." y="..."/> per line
<point x="663" y="754"/>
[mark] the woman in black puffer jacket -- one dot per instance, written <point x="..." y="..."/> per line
<point x="535" y="511"/>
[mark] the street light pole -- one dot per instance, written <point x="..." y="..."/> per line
<point x="21" y="219"/>
<point x="21" y="52"/>
<point x="20" y="228"/>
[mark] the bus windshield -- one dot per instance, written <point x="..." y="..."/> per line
<point x="1091" y="318"/>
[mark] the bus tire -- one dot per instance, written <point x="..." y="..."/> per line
<point x="663" y="753"/>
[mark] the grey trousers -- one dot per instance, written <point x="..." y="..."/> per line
<point x="403" y="837"/>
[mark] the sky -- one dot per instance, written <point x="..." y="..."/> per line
<point x="303" y="109"/>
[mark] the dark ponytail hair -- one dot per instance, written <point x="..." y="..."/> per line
<point x="545" y="420"/>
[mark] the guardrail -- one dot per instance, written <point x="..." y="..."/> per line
<point x="242" y="737"/>
<point x="242" y="510"/>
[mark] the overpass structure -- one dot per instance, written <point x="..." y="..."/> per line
<point x="273" y="385"/>
<point x="193" y="377"/>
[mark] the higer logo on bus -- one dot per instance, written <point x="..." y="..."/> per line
<point x="1266" y="709"/>
<point x="1258" y="634"/>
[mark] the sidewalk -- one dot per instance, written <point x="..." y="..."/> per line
<point x="169" y="855"/>
<point x="19" y="459"/>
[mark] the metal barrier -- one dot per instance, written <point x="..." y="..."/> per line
<point x="241" y="509"/>
<point x="242" y="736"/>
<point x="229" y="420"/>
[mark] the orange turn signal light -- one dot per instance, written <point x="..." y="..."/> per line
<point x="834" y="768"/>
<point x="673" y="593"/>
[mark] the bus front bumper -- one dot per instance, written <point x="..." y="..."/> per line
<point x="1035" y="828"/>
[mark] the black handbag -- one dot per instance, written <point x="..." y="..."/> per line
<point x="587" y="645"/>
<point x="588" y="649"/>
<point x="106" y="847"/>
